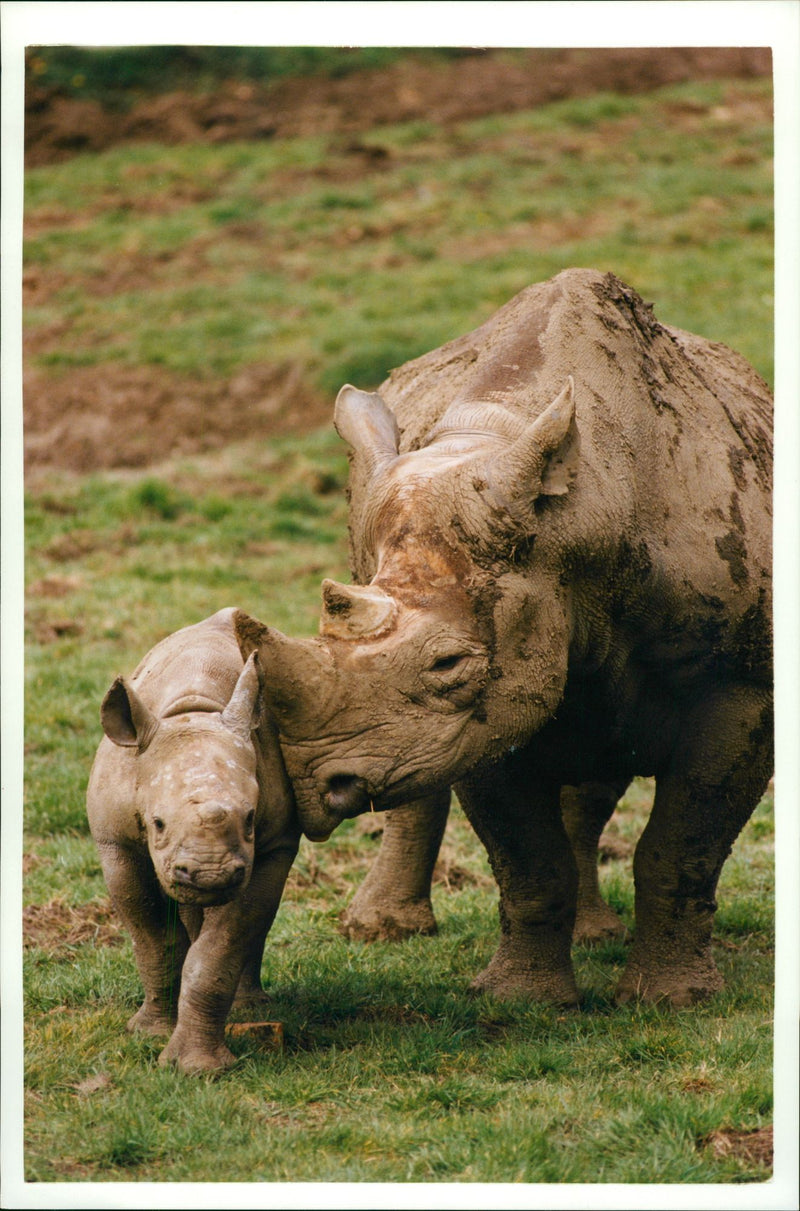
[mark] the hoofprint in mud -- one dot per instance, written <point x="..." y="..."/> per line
<point x="194" y="820"/>
<point x="561" y="538"/>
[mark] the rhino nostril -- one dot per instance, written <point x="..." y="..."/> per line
<point x="181" y="873"/>
<point x="346" y="794"/>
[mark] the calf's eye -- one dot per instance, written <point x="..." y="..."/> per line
<point x="158" y="824"/>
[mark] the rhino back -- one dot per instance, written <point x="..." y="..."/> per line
<point x="675" y="430"/>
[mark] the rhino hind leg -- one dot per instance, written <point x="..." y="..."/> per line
<point x="521" y="826"/>
<point x="718" y="774"/>
<point x="586" y="810"/>
<point x="394" y="901"/>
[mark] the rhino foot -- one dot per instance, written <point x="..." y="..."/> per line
<point x="148" y="1020"/>
<point x="374" y="920"/>
<point x="675" y="987"/>
<point x="193" y="1057"/>
<point x="597" y="923"/>
<point x="251" y="995"/>
<point x="507" y="978"/>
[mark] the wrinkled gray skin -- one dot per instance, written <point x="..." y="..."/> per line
<point x="194" y="820"/>
<point x="564" y="522"/>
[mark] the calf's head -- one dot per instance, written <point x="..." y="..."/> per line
<point x="196" y="789"/>
<point x="457" y="648"/>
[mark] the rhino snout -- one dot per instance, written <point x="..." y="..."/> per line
<point x="225" y="877"/>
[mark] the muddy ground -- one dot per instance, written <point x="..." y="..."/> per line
<point x="105" y="417"/>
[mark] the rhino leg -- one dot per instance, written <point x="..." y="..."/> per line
<point x="159" y="938"/>
<point x="718" y="773"/>
<point x="520" y="823"/>
<point x="394" y="901"/>
<point x="586" y="810"/>
<point x="230" y="937"/>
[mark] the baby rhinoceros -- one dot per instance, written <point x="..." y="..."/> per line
<point x="194" y="818"/>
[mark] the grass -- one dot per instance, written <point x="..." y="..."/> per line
<point x="350" y="279"/>
<point x="213" y="258"/>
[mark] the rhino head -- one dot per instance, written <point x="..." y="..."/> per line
<point x="196" y="789"/>
<point x="454" y="652"/>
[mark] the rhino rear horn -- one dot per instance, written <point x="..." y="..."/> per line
<point x="241" y="714"/>
<point x="355" y="611"/>
<point x="363" y="420"/>
<point x="126" y="719"/>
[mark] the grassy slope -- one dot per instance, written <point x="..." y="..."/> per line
<point x="391" y="1072"/>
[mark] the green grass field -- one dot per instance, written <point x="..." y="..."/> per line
<point x="201" y="261"/>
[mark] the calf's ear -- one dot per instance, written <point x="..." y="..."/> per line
<point x="125" y="718"/>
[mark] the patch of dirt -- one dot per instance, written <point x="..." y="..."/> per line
<point x="93" y="418"/>
<point x="484" y="82"/>
<point x="752" y="1147"/>
<point x="57" y="926"/>
<point x="454" y="876"/>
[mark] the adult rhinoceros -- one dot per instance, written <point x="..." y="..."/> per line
<point x="564" y="522"/>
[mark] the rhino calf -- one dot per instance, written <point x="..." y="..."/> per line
<point x="561" y="537"/>
<point x="194" y="819"/>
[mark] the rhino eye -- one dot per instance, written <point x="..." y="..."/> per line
<point x="158" y="824"/>
<point x="249" y="821"/>
<point x="446" y="664"/>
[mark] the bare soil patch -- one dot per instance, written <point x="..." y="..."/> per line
<point x="57" y="127"/>
<point x="116" y="416"/>
<point x="752" y="1147"/>
<point x="58" y="926"/>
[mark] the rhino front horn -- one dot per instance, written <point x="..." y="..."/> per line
<point x="355" y="611"/>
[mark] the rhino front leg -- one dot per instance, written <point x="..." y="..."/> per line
<point x="159" y="938"/>
<point x="521" y="826"/>
<point x="586" y="810"/>
<point x="718" y="774"/>
<point x="394" y="901"/>
<point x="231" y="938"/>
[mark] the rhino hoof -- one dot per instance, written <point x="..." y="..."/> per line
<point x="675" y="989"/>
<point x="508" y="981"/>
<point x="389" y="924"/>
<point x="194" y="1061"/>
<point x="151" y="1021"/>
<point x="596" y="926"/>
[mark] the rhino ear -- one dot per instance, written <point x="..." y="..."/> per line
<point x="242" y="713"/>
<point x="125" y="718"/>
<point x="543" y="461"/>
<point x="249" y="633"/>
<point x="363" y="420"/>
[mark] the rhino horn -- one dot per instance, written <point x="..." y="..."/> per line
<point x="241" y="713"/>
<point x="364" y="421"/>
<point x="126" y="719"/>
<point x="297" y="675"/>
<point x="355" y="611"/>
<point x="543" y="460"/>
